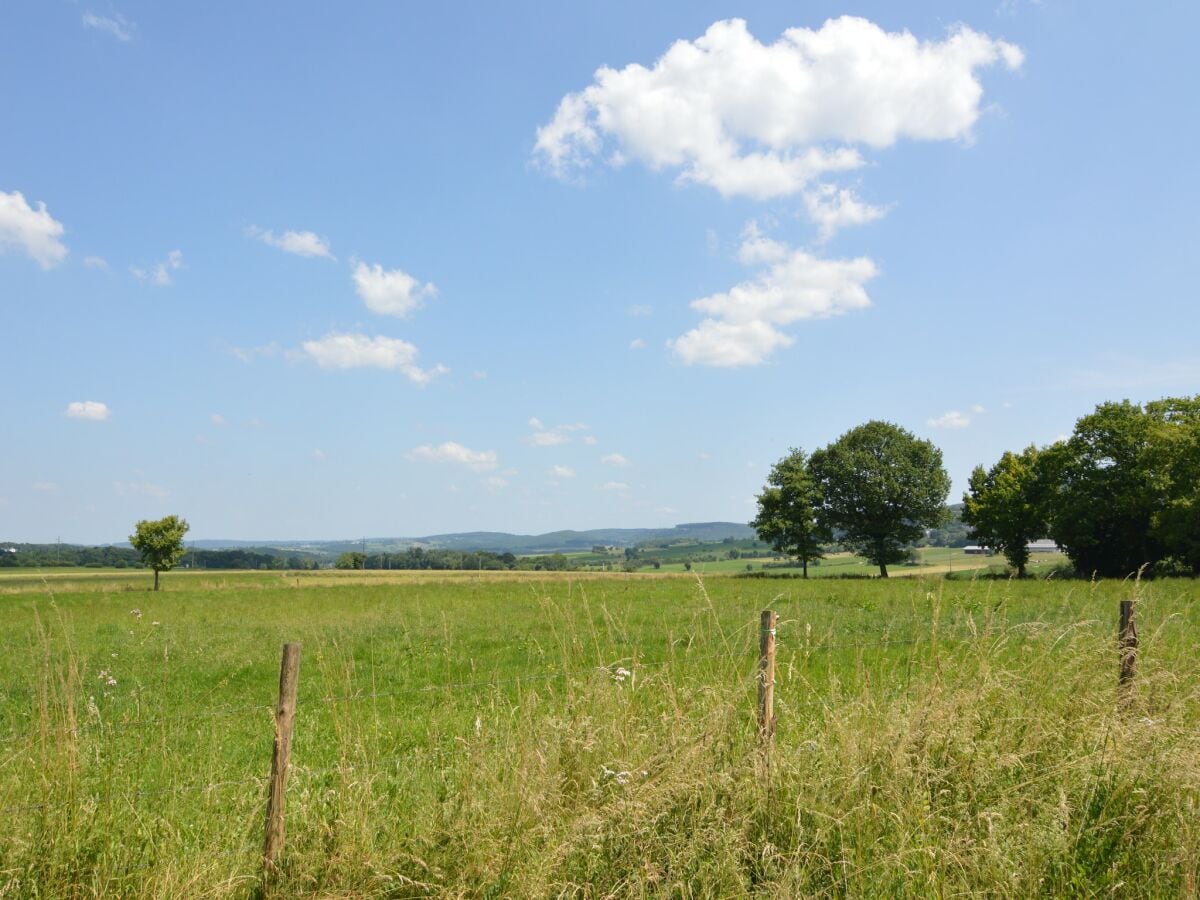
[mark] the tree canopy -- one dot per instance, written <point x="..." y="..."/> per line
<point x="787" y="511"/>
<point x="1004" y="506"/>
<point x="160" y="542"/>
<point x="880" y="487"/>
<point x="1123" y="491"/>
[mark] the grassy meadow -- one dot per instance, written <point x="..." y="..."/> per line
<point x="558" y="735"/>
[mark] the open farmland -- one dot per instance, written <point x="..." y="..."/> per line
<point x="538" y="735"/>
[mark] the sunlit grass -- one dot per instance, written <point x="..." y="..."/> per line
<point x="468" y="736"/>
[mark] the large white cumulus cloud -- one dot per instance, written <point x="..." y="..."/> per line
<point x="764" y="120"/>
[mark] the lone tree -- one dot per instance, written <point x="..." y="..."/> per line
<point x="881" y="487"/>
<point x="1004" y="506"/>
<point x="787" y="511"/>
<point x="160" y="541"/>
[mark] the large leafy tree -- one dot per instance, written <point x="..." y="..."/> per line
<point x="1177" y="448"/>
<point x="1123" y="492"/>
<point x="1004" y="507"/>
<point x="160" y="542"/>
<point x="881" y="487"/>
<point x="787" y="511"/>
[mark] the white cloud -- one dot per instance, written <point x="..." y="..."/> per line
<point x="96" y="262"/>
<point x="160" y="274"/>
<point x="390" y="292"/>
<point x="637" y="344"/>
<point x="548" y="438"/>
<point x="833" y="208"/>
<point x="139" y="489"/>
<point x="562" y="472"/>
<point x="640" y="310"/>
<point x="319" y="455"/>
<point x="32" y="230"/>
<point x="740" y="328"/>
<point x="480" y="375"/>
<point x="339" y="350"/>
<point x="978" y="409"/>
<point x="46" y="487"/>
<point x="757" y="248"/>
<point x="615" y="459"/>
<point x="300" y="243"/>
<point x="452" y="452"/>
<point x="614" y="486"/>
<point x="495" y="482"/>
<point x="761" y="120"/>
<point x="552" y="437"/>
<point x="89" y="410"/>
<point x="217" y="419"/>
<point x="249" y="354"/>
<point x="590" y="440"/>
<point x="116" y="25"/>
<point x="949" y="419"/>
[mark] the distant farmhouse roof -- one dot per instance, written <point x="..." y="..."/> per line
<point x="1045" y="545"/>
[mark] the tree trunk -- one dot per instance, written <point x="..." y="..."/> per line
<point x="805" y="566"/>
<point x="156" y="579"/>
<point x="1021" y="570"/>
<point x="883" y="570"/>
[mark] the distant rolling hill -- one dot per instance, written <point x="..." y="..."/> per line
<point x="503" y="542"/>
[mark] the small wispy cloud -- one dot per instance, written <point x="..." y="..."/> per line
<point x="456" y="453"/>
<point x="115" y="25"/>
<point x="637" y="344"/>
<point x="640" y="310"/>
<point x="390" y="292"/>
<point x="949" y="419"/>
<point x="615" y="459"/>
<point x="358" y="351"/>
<point x="249" y="354"/>
<point x="139" y="489"/>
<point x="88" y="410"/>
<point x="614" y="486"/>
<point x="160" y="273"/>
<point x="298" y="243"/>
<point x="562" y="472"/>
<point x="544" y="436"/>
<point x="96" y="262"/>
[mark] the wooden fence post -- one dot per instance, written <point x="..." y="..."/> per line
<point x="285" y="719"/>
<point x="1127" y="643"/>
<point x="766" y="674"/>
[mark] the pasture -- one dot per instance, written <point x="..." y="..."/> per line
<point x="536" y="734"/>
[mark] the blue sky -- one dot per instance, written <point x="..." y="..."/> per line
<point x="305" y="271"/>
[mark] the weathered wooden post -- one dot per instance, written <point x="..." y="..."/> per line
<point x="1127" y="643"/>
<point x="285" y="719"/>
<point x="766" y="674"/>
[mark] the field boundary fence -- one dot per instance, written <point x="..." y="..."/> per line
<point x="286" y="707"/>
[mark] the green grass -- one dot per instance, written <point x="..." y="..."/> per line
<point x="468" y="735"/>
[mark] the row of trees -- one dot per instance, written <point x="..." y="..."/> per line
<point x="1120" y="495"/>
<point x="876" y="489"/>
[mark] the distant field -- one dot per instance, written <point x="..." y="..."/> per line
<point x="537" y="734"/>
<point x="934" y="560"/>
